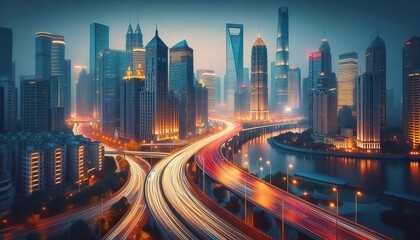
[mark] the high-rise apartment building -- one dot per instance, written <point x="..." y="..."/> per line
<point x="413" y="113"/>
<point x="35" y="104"/>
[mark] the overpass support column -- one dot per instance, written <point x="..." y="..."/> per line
<point x="249" y="212"/>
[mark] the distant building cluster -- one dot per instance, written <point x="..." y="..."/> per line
<point x="46" y="161"/>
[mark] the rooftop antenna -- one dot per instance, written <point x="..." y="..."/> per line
<point x="259" y="30"/>
<point x="324" y="39"/>
<point x="156" y="30"/>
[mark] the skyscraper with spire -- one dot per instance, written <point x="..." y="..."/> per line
<point x="376" y="63"/>
<point x="133" y="39"/>
<point x="280" y="92"/>
<point x="259" y="78"/>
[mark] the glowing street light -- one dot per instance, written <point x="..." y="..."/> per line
<point x="287" y="176"/>
<point x="358" y="194"/>
<point x="261" y="169"/>
<point x="336" y="190"/>
<point x="269" y="164"/>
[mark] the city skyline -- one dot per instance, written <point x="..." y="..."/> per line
<point x="314" y="15"/>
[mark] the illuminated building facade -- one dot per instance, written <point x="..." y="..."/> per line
<point x="411" y="64"/>
<point x="293" y="88"/>
<point x="280" y="96"/>
<point x="43" y="42"/>
<point x="234" y="69"/>
<point x="413" y="114"/>
<point x="138" y="57"/>
<point x="314" y="74"/>
<point x="201" y="104"/>
<point x="130" y="89"/>
<point x="368" y="111"/>
<point x="113" y="65"/>
<point x="99" y="41"/>
<point x="181" y="83"/>
<point x="348" y="69"/>
<point x="376" y="63"/>
<point x="209" y="79"/>
<point x="259" y="78"/>
<point x="158" y="108"/>
<point x="77" y="155"/>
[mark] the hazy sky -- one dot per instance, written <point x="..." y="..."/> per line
<point x="349" y="26"/>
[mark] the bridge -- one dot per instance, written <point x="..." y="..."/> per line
<point x="158" y="155"/>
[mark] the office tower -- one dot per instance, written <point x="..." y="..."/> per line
<point x="99" y="41"/>
<point x="209" y="79"/>
<point x="83" y="95"/>
<point x="293" y="88"/>
<point x="247" y="84"/>
<point x="130" y="89"/>
<point x="413" y="113"/>
<point x="35" y="104"/>
<point x="368" y="111"/>
<point x="282" y="61"/>
<point x="234" y="68"/>
<point x="134" y="39"/>
<point x="113" y="65"/>
<point x="376" y="63"/>
<point x="348" y="69"/>
<point x="43" y="45"/>
<point x="271" y="86"/>
<point x="218" y="95"/>
<point x="57" y="55"/>
<point x="158" y="109"/>
<point x="6" y="48"/>
<point x="305" y="96"/>
<point x="315" y="64"/>
<point x="8" y="105"/>
<point x="324" y="108"/>
<point x="66" y="89"/>
<point x="201" y="104"/>
<point x="181" y="82"/>
<point x="411" y="64"/>
<point x="138" y="57"/>
<point x="259" y="89"/>
<point x="77" y="69"/>
<point x="345" y="117"/>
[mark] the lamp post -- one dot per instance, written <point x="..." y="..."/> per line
<point x="258" y="164"/>
<point x="358" y="193"/>
<point x="269" y="164"/>
<point x="336" y="190"/>
<point x="287" y="176"/>
<point x="261" y="169"/>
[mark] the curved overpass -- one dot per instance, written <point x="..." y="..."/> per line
<point x="307" y="217"/>
<point x="180" y="210"/>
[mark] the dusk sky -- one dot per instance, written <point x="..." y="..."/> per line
<point x="349" y="26"/>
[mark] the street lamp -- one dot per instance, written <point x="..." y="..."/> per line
<point x="246" y="166"/>
<point x="358" y="194"/>
<point x="258" y="164"/>
<point x="261" y="169"/>
<point x="287" y="176"/>
<point x="336" y="190"/>
<point x="269" y="164"/>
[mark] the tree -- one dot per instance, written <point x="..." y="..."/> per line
<point x="80" y="230"/>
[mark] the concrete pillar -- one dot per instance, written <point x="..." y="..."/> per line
<point x="249" y="213"/>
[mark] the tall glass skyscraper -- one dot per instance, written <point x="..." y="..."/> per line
<point x="6" y="48"/>
<point x="43" y="42"/>
<point x="348" y="69"/>
<point x="181" y="82"/>
<point x="411" y="64"/>
<point x="209" y="80"/>
<point x="293" y="88"/>
<point x="82" y="94"/>
<point x="133" y="39"/>
<point x="234" y="67"/>
<point x="259" y="78"/>
<point x="35" y="104"/>
<point x="376" y="63"/>
<point x="99" y="40"/>
<point x="282" y="61"/>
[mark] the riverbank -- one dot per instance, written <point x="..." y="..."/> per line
<point x="404" y="157"/>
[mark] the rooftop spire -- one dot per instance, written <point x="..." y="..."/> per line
<point x="156" y="33"/>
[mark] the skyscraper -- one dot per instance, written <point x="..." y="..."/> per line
<point x="77" y="69"/>
<point x="66" y="89"/>
<point x="234" y="68"/>
<point x="35" y="104"/>
<point x="43" y="44"/>
<point x="315" y="64"/>
<point x="324" y="108"/>
<point x="282" y="61"/>
<point x="413" y="113"/>
<point x="259" y="78"/>
<point x="201" y="104"/>
<point x="138" y="57"/>
<point x="218" y="95"/>
<point x="293" y="88"/>
<point x="113" y="65"/>
<point x="158" y="109"/>
<point x="131" y="86"/>
<point x="348" y="69"/>
<point x="133" y="39"/>
<point x="99" y="40"/>
<point x="368" y="111"/>
<point x="181" y="82"/>
<point x="411" y="64"/>
<point x="6" y="48"/>
<point x="82" y="94"/>
<point x="209" y="79"/>
<point x="376" y="63"/>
